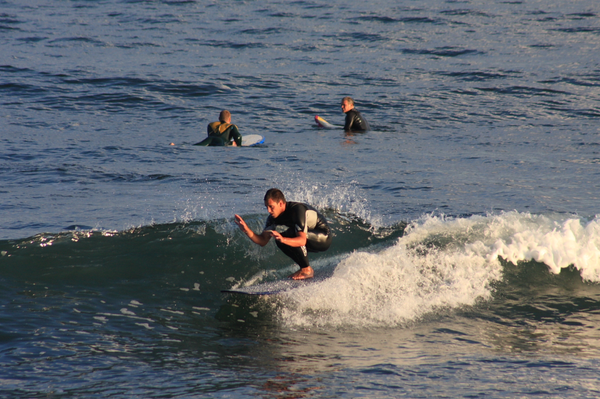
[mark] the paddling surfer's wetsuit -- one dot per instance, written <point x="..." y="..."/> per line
<point x="301" y="217"/>
<point x="221" y="134"/>
<point x="355" y="122"/>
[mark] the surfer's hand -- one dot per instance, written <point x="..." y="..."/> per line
<point x="276" y="235"/>
<point x="240" y="222"/>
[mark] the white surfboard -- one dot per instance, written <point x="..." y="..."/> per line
<point x="323" y="123"/>
<point x="275" y="287"/>
<point x="252" y="139"/>
<point x="247" y="141"/>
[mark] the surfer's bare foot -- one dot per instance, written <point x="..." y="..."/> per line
<point x="304" y="273"/>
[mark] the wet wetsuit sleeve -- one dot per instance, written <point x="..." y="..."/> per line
<point x="236" y="136"/>
<point x="348" y="122"/>
<point x="362" y="122"/>
<point x="307" y="219"/>
<point x="299" y="217"/>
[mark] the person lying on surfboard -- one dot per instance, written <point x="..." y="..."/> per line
<point x="222" y="133"/>
<point x="307" y="231"/>
<point x="354" y="120"/>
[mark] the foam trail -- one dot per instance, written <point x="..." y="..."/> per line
<point x="439" y="264"/>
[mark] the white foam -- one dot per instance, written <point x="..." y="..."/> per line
<point x="441" y="263"/>
<point x="554" y="242"/>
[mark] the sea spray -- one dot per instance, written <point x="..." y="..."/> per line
<point x="347" y="199"/>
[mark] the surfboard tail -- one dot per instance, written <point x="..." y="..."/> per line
<point x="252" y="140"/>
<point x="317" y="120"/>
<point x="323" y="123"/>
<point x="320" y="121"/>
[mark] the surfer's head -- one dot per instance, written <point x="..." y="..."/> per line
<point x="347" y="104"/>
<point x="275" y="194"/>
<point x="225" y="116"/>
<point x="275" y="202"/>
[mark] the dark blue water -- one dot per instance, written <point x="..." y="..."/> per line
<point x="466" y="256"/>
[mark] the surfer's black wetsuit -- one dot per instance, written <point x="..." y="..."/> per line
<point x="355" y="122"/>
<point x="220" y="134"/>
<point x="301" y="217"/>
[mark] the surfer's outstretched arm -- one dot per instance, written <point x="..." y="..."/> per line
<point x="261" y="239"/>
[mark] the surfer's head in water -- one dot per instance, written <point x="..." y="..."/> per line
<point x="347" y="104"/>
<point x="225" y="116"/>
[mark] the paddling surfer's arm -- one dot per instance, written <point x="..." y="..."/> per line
<point x="261" y="239"/>
<point x="236" y="136"/>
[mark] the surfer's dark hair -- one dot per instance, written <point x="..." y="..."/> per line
<point x="274" y="194"/>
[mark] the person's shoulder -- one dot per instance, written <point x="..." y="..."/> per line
<point x="211" y="128"/>
<point x="299" y="206"/>
<point x="214" y="125"/>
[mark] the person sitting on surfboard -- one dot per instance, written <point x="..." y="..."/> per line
<point x="307" y="231"/>
<point x="354" y="120"/>
<point x="222" y="133"/>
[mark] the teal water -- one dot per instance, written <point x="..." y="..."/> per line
<point x="466" y="255"/>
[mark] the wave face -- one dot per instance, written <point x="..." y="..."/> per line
<point x="397" y="276"/>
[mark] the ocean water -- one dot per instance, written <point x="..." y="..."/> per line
<point x="466" y="256"/>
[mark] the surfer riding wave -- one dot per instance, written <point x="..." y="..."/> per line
<point x="307" y="231"/>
